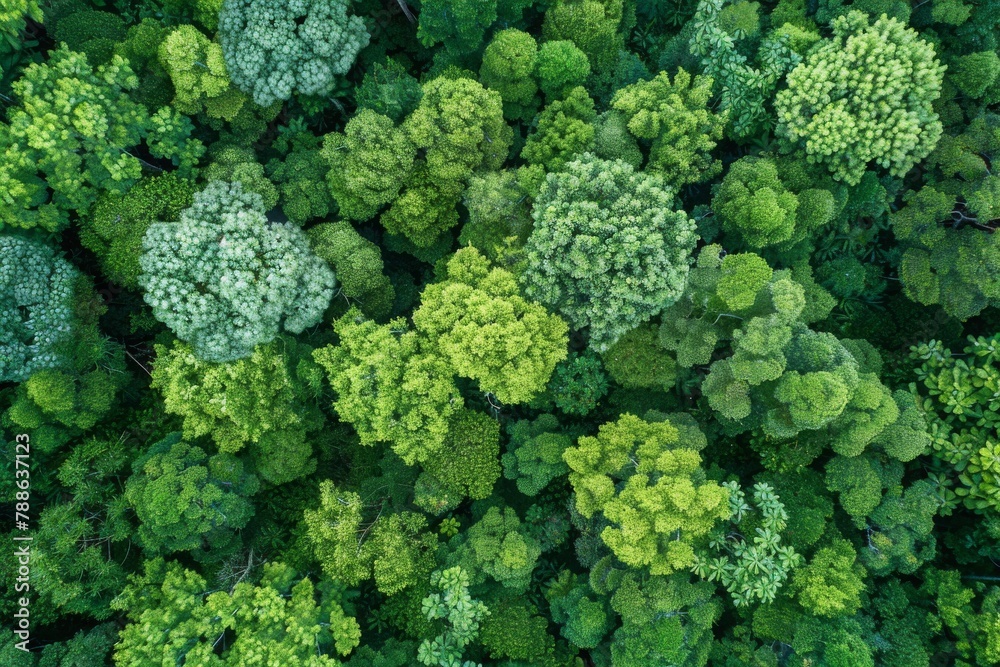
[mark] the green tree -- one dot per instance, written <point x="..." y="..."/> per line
<point x="459" y="127"/>
<point x="141" y="47"/>
<point x="508" y="68"/>
<point x="518" y="631"/>
<point x="81" y="543"/>
<point x="591" y="25"/>
<point x="577" y="385"/>
<point x="534" y="454"/>
<point x="36" y="321"/>
<point x="672" y="118"/>
<point x="723" y="289"/>
<point x="456" y="612"/>
<point x="176" y="618"/>
<point x="663" y="619"/>
<point x="272" y="52"/>
<point x="860" y="481"/>
<point x="388" y="387"/>
<point x="389" y="90"/>
<point x="755" y="205"/>
<point x="76" y="372"/>
<point x="466" y="466"/>
<point x="789" y="380"/>
<point x="745" y="92"/>
<point x="70" y="140"/>
<point x="357" y="262"/>
<point x="12" y="19"/>
<point x="224" y="278"/>
<point x="907" y="437"/>
<point x="76" y="396"/>
<point x="838" y="643"/>
<point x="836" y="111"/>
<point x="426" y="210"/>
<point x="234" y="163"/>
<point x="750" y="570"/>
<point x="638" y="361"/>
<point x="460" y="25"/>
<point x="91" y="32"/>
<point x="265" y="401"/>
<point x="607" y="278"/>
<point x="975" y="629"/>
<point x="477" y="320"/>
<point x="301" y="179"/>
<point x="830" y="584"/>
<point x="354" y="541"/>
<point x="975" y="75"/>
<point x="901" y="537"/>
<point x="198" y="71"/>
<point x="500" y="546"/>
<point x="560" y="67"/>
<point x="499" y="205"/>
<point x="188" y="501"/>
<point x="950" y="254"/>
<point x="807" y="502"/>
<point x="368" y="163"/>
<point x="649" y="486"/>
<point x="85" y="649"/>
<point x="955" y="394"/>
<point x="584" y="616"/>
<point x="563" y="129"/>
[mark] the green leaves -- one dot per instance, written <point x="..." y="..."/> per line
<point x="753" y="564"/>
<point x="501" y="547"/>
<point x="175" y="618"/>
<point x="477" y="320"/>
<point x="782" y="377"/>
<point x="461" y="614"/>
<point x="649" y="486"/>
<point x="962" y="397"/>
<point x="607" y="252"/>
<point x="188" y="501"/>
<point x="225" y="279"/>
<point x="398" y="386"/>
<point x="744" y="91"/>
<point x="72" y="134"/>
<point x="535" y="454"/>
<point x="830" y="108"/>
<point x="674" y="119"/>
<point x="273" y="52"/>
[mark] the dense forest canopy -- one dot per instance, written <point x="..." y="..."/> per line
<point x="457" y="333"/>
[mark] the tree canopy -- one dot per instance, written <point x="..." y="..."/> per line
<point x="500" y="333"/>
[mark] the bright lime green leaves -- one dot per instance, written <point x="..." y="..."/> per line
<point x="477" y="320"/>
<point x="864" y="96"/>
<point x="651" y="489"/>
